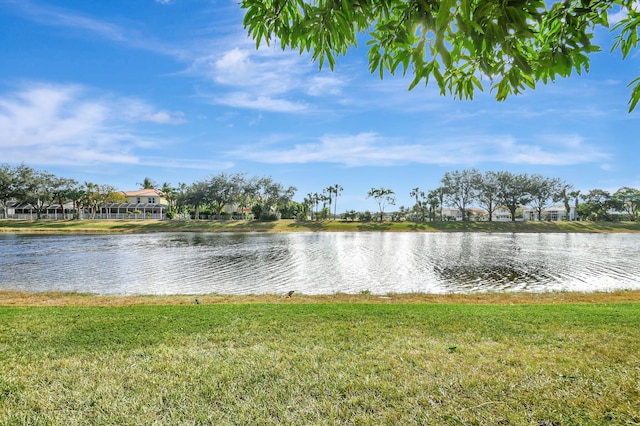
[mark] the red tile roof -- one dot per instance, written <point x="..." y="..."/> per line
<point x="143" y="193"/>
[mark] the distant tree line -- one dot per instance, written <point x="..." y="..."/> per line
<point x="42" y="189"/>
<point x="493" y="190"/>
<point x="262" y="196"/>
<point x="265" y="199"/>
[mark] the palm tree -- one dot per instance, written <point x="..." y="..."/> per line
<point x="148" y="183"/>
<point x="76" y="194"/>
<point x="169" y="193"/>
<point x="329" y="197"/>
<point x="575" y="194"/>
<point x="337" y="189"/>
<point x="310" y="202"/>
<point x="316" y="201"/>
<point x="415" y="192"/>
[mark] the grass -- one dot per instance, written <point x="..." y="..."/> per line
<point x="107" y="226"/>
<point x="552" y="360"/>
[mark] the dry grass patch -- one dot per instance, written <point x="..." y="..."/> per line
<point x="20" y="298"/>
<point x="137" y="226"/>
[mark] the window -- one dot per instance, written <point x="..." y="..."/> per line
<point x="152" y="200"/>
<point x="138" y="200"/>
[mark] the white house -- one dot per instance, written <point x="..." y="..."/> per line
<point x="551" y="213"/>
<point x="474" y="213"/>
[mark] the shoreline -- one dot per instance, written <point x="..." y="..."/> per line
<point x="107" y="226"/>
<point x="80" y="227"/>
<point x="16" y="298"/>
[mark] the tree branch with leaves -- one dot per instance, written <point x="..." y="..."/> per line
<point x="460" y="45"/>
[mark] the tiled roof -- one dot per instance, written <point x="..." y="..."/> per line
<point x="143" y="193"/>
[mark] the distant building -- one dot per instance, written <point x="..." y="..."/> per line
<point x="141" y="203"/>
<point x="473" y="213"/>
<point x="146" y="196"/>
<point x="551" y="213"/>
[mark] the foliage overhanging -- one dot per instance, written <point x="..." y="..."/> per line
<point x="513" y="44"/>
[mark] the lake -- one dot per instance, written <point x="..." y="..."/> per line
<point x="319" y="263"/>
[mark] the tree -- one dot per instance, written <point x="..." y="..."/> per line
<point x="321" y="198"/>
<point x="247" y="194"/>
<point x="182" y="198"/>
<point x="108" y="194"/>
<point x="223" y="190"/>
<point x="597" y="205"/>
<point x="62" y="189"/>
<point x="460" y="188"/>
<point x="293" y="210"/>
<point x="434" y="200"/>
<point x="328" y="196"/>
<point x="170" y="194"/>
<point x="195" y="196"/>
<point x="564" y="195"/>
<point x="310" y="201"/>
<point x="575" y="194"/>
<point x="273" y="196"/>
<point x="75" y="195"/>
<point x="148" y="183"/>
<point x="91" y="197"/>
<point x="488" y="193"/>
<point x="629" y="199"/>
<point x="542" y="190"/>
<point x="315" y="200"/>
<point x="40" y="191"/>
<point x="383" y="196"/>
<point x="98" y="197"/>
<point x="419" y="206"/>
<point x="513" y="191"/>
<point x="460" y="45"/>
<point x="337" y="189"/>
<point x="13" y="184"/>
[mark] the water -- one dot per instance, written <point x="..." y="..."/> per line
<point x="319" y="263"/>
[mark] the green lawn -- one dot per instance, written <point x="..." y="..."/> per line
<point x="79" y="226"/>
<point x="329" y="363"/>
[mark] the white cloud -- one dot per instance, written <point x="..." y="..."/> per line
<point x="61" y="17"/>
<point x="325" y="85"/>
<point x="265" y="71"/>
<point x="262" y="103"/>
<point x="65" y="124"/>
<point x="619" y="15"/>
<point x="265" y="79"/>
<point x="196" y="164"/>
<point x="371" y="149"/>
<point x="136" y="110"/>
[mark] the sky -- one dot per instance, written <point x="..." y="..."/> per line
<point x="174" y="90"/>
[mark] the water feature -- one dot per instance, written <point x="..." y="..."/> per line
<point x="319" y="263"/>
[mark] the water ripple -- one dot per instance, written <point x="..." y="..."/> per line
<point x="319" y="263"/>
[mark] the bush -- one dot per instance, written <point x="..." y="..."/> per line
<point x="366" y="216"/>
<point x="269" y="217"/>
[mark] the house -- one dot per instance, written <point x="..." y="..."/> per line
<point x="503" y="214"/>
<point x="148" y="196"/>
<point x="552" y="213"/>
<point x="24" y="210"/>
<point x="141" y="203"/>
<point x="473" y="213"/>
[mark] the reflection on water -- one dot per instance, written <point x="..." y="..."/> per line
<point x="319" y="263"/>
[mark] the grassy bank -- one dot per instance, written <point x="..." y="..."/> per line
<point x="62" y="299"/>
<point x="286" y="362"/>
<point x="131" y="226"/>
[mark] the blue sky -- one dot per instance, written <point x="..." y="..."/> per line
<point x="113" y="92"/>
